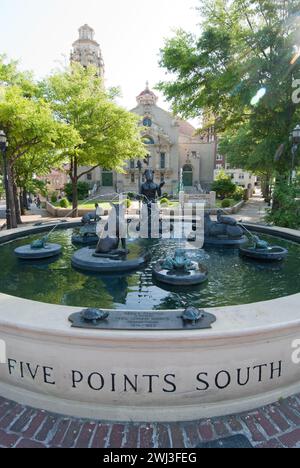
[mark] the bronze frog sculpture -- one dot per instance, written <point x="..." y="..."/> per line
<point x="179" y="262"/>
<point x="40" y="243"/>
<point x="260" y="244"/>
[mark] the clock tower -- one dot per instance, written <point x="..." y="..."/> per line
<point x="87" y="51"/>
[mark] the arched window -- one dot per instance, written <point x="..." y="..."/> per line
<point x="148" y="140"/>
<point x="162" y="160"/>
<point x="147" y="122"/>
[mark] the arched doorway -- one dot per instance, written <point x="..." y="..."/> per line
<point x="188" y="177"/>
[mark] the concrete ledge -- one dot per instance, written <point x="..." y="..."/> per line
<point x="58" y="212"/>
<point x="243" y="362"/>
<point x="233" y="210"/>
<point x="7" y="236"/>
<point x="284" y="233"/>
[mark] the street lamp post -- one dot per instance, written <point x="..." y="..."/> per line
<point x="3" y="146"/>
<point x="295" y="139"/>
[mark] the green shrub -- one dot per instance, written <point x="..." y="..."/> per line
<point x="82" y="189"/>
<point x="64" y="203"/>
<point x="164" y="201"/>
<point x="53" y="198"/>
<point x="226" y="203"/>
<point x="223" y="186"/>
<point x="239" y="194"/>
<point x="286" y="208"/>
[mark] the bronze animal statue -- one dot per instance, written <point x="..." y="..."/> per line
<point x="93" y="216"/>
<point x="108" y="245"/>
<point x="225" y="226"/>
<point x="39" y="243"/>
<point x="179" y="262"/>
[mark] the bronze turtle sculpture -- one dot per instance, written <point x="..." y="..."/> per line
<point x="94" y="315"/>
<point x="192" y="315"/>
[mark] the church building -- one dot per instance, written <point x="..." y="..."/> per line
<point x="174" y="149"/>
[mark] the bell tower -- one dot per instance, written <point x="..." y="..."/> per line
<point x="87" y="51"/>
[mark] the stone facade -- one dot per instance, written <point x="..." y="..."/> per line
<point x="172" y="144"/>
<point x="173" y="149"/>
<point x="239" y="177"/>
<point x="87" y="51"/>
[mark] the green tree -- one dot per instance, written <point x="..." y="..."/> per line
<point x="109" y="135"/>
<point x="223" y="185"/>
<point x="30" y="168"/>
<point x="33" y="132"/>
<point x="240" y="69"/>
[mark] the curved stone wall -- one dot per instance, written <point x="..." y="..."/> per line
<point x="249" y="358"/>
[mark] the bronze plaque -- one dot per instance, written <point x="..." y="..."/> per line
<point x="143" y="320"/>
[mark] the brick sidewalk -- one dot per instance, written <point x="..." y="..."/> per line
<point x="274" y="426"/>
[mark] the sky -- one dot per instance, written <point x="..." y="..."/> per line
<point x="40" y="33"/>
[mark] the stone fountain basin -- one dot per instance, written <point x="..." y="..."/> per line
<point x="27" y="253"/>
<point x="85" y="260"/>
<point x="179" y="277"/>
<point x="274" y="254"/>
<point x="248" y="359"/>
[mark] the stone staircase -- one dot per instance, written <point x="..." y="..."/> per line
<point x="103" y="192"/>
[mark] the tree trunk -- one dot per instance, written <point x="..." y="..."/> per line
<point x="25" y="199"/>
<point x="266" y="189"/>
<point x="17" y="204"/>
<point x="21" y="204"/>
<point x="75" y="189"/>
<point x="22" y="201"/>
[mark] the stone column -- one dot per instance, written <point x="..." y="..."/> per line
<point x="213" y="199"/>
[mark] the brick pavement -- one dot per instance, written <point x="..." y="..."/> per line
<point x="273" y="426"/>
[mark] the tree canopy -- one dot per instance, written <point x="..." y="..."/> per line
<point x="67" y="118"/>
<point x="35" y="138"/>
<point x="109" y="135"/>
<point x="240" y="70"/>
